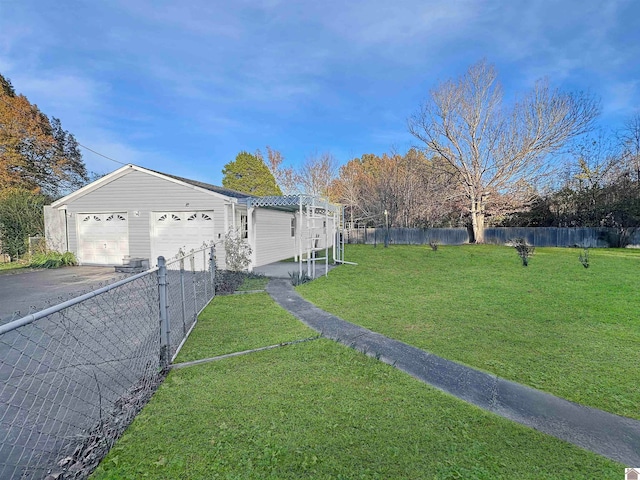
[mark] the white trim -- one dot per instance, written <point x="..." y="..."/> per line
<point x="123" y="171"/>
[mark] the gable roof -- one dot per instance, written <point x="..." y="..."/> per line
<point x="204" y="187"/>
<point x="207" y="186"/>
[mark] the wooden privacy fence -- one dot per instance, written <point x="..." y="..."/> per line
<point x="538" y="236"/>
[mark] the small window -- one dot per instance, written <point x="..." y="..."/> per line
<point x="192" y="217"/>
<point x="244" y="226"/>
<point x="205" y="217"/>
<point x="293" y="227"/>
<point x="175" y="217"/>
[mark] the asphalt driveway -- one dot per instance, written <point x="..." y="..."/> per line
<point x="33" y="290"/>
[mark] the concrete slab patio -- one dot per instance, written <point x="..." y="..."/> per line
<point x="612" y="436"/>
<point x="285" y="269"/>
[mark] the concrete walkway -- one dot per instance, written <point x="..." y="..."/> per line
<point x="615" y="437"/>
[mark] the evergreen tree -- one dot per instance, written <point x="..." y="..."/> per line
<point x="249" y="174"/>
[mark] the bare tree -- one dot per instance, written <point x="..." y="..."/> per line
<point x="317" y="173"/>
<point x="286" y="177"/>
<point x="630" y="139"/>
<point x="493" y="147"/>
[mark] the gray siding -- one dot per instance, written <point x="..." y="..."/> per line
<point x="138" y="194"/>
<point x="55" y="229"/>
<point x="273" y="236"/>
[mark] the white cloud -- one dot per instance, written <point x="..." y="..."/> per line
<point x="60" y="91"/>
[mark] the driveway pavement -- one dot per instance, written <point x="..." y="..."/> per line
<point x="77" y="375"/>
<point x="33" y="290"/>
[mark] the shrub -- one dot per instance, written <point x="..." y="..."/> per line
<point x="21" y="216"/>
<point x="299" y="279"/>
<point x="524" y="250"/>
<point x="53" y="260"/>
<point x="584" y="257"/>
<point x="238" y="252"/>
<point x="228" y="281"/>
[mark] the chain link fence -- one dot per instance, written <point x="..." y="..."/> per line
<point x="73" y="376"/>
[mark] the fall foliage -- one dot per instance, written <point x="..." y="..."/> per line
<point x="36" y="153"/>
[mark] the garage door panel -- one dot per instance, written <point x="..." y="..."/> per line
<point x="103" y="238"/>
<point x="173" y="231"/>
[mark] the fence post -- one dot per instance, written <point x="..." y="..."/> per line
<point x="212" y="267"/>
<point x="182" y="296"/>
<point x="195" y="290"/>
<point x="204" y="268"/>
<point x="164" y="314"/>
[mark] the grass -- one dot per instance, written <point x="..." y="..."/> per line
<point x="321" y="410"/>
<point x="12" y="266"/>
<point x="234" y="323"/>
<point x="253" y="283"/>
<point x="554" y="325"/>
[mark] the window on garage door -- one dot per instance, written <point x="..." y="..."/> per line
<point x="175" y="231"/>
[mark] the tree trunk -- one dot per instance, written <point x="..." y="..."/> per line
<point x="477" y="221"/>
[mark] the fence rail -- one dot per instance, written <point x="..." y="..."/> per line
<point x="73" y="376"/>
<point x="536" y="236"/>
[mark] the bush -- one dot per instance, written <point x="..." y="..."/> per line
<point x="228" y="281"/>
<point x="584" y="257"/>
<point x="524" y="250"/>
<point x="53" y="260"/>
<point x="299" y="279"/>
<point x="21" y="216"/>
<point x="238" y="251"/>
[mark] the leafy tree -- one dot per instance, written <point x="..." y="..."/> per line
<point x="21" y="217"/>
<point x="493" y="147"/>
<point x="249" y="174"/>
<point x="36" y="153"/>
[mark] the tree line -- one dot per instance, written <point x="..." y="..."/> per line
<point x="39" y="162"/>
<point x="479" y="161"/>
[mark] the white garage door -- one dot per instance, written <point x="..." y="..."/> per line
<point x="102" y="238"/>
<point x="172" y="231"/>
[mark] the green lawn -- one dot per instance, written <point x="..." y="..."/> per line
<point x="320" y="410"/>
<point x="554" y="325"/>
<point x="253" y="283"/>
<point x="234" y="323"/>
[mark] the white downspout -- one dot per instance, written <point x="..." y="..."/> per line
<point x="251" y="226"/>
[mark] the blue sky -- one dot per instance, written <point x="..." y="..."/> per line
<point x="182" y="87"/>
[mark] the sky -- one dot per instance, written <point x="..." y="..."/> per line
<point x="183" y="86"/>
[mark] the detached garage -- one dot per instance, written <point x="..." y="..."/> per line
<point x="140" y="213"/>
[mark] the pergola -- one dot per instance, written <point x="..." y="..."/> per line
<point x="316" y="213"/>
